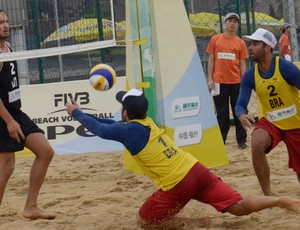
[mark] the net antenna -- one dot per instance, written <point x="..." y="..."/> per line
<point x="60" y="50"/>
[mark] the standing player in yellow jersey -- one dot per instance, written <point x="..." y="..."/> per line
<point x="178" y="175"/>
<point x="277" y="83"/>
<point x="226" y="65"/>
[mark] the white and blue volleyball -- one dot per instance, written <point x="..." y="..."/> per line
<point x="102" y="77"/>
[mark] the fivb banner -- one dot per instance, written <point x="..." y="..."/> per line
<point x="184" y="105"/>
<point x="45" y="104"/>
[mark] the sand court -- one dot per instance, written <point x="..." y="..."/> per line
<point x="92" y="191"/>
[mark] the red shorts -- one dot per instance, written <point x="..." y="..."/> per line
<point x="291" y="138"/>
<point x="199" y="184"/>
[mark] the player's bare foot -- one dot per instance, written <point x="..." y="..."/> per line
<point x="290" y="203"/>
<point x="36" y="213"/>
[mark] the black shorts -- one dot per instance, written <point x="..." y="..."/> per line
<point x="8" y="144"/>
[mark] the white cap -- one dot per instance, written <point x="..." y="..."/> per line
<point x="132" y="92"/>
<point x="262" y="35"/>
<point x="285" y="25"/>
<point x="231" y="15"/>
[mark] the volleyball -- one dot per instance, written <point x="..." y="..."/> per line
<point x="102" y="77"/>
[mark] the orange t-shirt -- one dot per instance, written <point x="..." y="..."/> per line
<point x="228" y="53"/>
<point x="284" y="41"/>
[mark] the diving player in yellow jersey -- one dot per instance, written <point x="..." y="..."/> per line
<point x="277" y="83"/>
<point x="177" y="174"/>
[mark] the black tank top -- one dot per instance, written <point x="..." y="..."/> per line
<point x="9" y="86"/>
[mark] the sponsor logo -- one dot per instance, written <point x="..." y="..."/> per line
<point x="185" y="107"/>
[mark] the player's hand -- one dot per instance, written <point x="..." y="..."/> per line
<point x="247" y="120"/>
<point x="70" y="106"/>
<point x="15" y="131"/>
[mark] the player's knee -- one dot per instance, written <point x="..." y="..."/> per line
<point x="258" y="147"/>
<point x="147" y="223"/>
<point x="141" y="223"/>
<point x="47" y="154"/>
<point x="50" y="153"/>
<point x="261" y="141"/>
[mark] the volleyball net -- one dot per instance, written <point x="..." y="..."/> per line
<point x="60" y="40"/>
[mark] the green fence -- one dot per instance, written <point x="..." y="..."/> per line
<point x="34" y="23"/>
<point x="206" y="17"/>
<point x="39" y="24"/>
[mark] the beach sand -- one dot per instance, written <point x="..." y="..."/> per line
<point x="92" y="191"/>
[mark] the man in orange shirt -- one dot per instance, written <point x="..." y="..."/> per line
<point x="226" y="64"/>
<point x="284" y="42"/>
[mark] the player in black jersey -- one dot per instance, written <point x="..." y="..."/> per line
<point x="17" y="131"/>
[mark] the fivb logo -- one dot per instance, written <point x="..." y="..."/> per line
<point x="82" y="98"/>
<point x="60" y="100"/>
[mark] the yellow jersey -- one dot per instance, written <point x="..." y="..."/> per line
<point x="279" y="101"/>
<point x="161" y="159"/>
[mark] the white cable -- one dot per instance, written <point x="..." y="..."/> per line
<point x="38" y="53"/>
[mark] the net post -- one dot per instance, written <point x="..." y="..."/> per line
<point x="37" y="38"/>
<point x="100" y="29"/>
